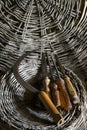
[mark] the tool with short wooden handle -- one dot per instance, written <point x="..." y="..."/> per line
<point x="46" y="84"/>
<point x="55" y="95"/>
<point x="71" y="90"/>
<point x="54" y="91"/>
<point x="64" y="97"/>
<point x="58" y="118"/>
<point x="46" y="80"/>
<point x="70" y="87"/>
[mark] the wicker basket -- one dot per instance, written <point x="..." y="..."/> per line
<point x="25" y="26"/>
<point x="22" y="110"/>
<point x="63" y="23"/>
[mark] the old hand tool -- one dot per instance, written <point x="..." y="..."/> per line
<point x="64" y="97"/>
<point x="71" y="89"/>
<point x="46" y="80"/>
<point x="54" y="87"/>
<point x="57" y="117"/>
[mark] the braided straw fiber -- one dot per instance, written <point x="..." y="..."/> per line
<point x="26" y="25"/>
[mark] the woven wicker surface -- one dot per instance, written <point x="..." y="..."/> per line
<point x="64" y="23"/>
<point x="20" y="109"/>
<point x="28" y="25"/>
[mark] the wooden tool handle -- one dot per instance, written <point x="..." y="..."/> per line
<point x="55" y="95"/>
<point x="58" y="118"/>
<point x="64" y="97"/>
<point x="46" y="83"/>
<point x="71" y="90"/>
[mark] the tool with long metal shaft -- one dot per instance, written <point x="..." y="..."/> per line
<point x="71" y="89"/>
<point x="44" y="64"/>
<point x="64" y="97"/>
<point x="41" y="94"/>
<point x="54" y="87"/>
<point x="46" y="80"/>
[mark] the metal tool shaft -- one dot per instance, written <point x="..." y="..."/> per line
<point x="71" y="89"/>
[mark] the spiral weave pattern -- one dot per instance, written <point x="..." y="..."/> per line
<point x="64" y="23"/>
<point x="27" y="26"/>
<point x="19" y="112"/>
